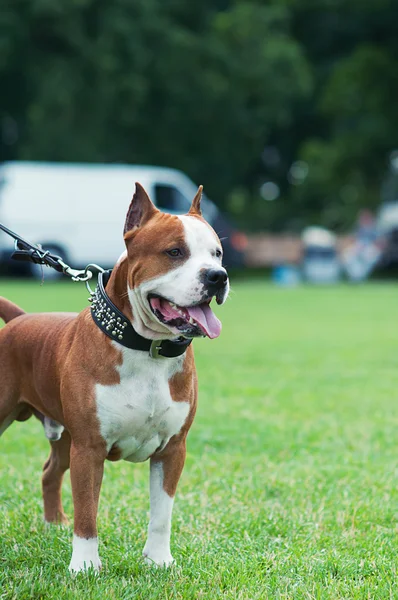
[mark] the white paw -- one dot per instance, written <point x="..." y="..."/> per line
<point x="158" y="556"/>
<point x="85" y="555"/>
<point x="79" y="566"/>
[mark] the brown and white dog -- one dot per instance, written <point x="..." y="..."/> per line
<point x="109" y="401"/>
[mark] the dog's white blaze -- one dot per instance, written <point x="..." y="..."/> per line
<point x="138" y="414"/>
<point x="157" y="547"/>
<point x="84" y="554"/>
<point x="201" y="239"/>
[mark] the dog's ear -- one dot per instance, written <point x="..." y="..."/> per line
<point x="141" y="209"/>
<point x="195" y="206"/>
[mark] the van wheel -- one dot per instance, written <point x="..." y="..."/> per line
<point x="49" y="274"/>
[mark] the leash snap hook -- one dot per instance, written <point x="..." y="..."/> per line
<point x="88" y="274"/>
<point x="74" y="274"/>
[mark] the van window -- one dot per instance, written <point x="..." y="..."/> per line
<point x="170" y="199"/>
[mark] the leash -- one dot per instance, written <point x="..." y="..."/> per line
<point x="105" y="314"/>
<point x="25" y="251"/>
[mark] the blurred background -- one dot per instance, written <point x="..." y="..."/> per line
<point x="284" y="110"/>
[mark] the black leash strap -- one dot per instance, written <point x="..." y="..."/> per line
<point x="29" y="252"/>
<point x="26" y="251"/>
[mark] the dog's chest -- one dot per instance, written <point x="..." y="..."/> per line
<point x="138" y="415"/>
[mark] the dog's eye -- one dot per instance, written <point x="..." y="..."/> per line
<point x="218" y="253"/>
<point x="174" y="252"/>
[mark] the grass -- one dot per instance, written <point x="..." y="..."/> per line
<point x="290" y="485"/>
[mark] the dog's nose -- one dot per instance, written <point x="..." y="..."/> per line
<point x="217" y="278"/>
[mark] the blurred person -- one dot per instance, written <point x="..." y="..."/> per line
<point x="361" y="257"/>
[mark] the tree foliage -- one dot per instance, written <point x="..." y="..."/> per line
<point x="232" y="92"/>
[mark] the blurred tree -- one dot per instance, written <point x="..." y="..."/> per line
<point x="233" y="92"/>
<point x="353" y="48"/>
<point x="195" y="86"/>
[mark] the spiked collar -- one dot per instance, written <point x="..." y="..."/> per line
<point x="117" y="327"/>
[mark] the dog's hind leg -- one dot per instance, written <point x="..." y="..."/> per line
<point x="7" y="419"/>
<point x="9" y="385"/>
<point x="53" y="473"/>
<point x="22" y="412"/>
<point x="9" y="396"/>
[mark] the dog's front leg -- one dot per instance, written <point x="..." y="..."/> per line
<point x="165" y="471"/>
<point x="86" y="470"/>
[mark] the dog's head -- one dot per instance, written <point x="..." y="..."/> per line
<point x="174" y="270"/>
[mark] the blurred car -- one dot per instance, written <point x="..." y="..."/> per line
<point x="320" y="259"/>
<point x="77" y="210"/>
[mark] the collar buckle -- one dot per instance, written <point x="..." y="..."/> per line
<point x="154" y="350"/>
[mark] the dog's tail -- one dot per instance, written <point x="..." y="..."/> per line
<point x="9" y="310"/>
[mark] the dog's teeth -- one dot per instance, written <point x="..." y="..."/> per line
<point x="191" y="321"/>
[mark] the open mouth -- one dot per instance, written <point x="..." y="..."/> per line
<point x="191" y="321"/>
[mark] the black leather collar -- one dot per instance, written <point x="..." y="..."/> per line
<point x="116" y="326"/>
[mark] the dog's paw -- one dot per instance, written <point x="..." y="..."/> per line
<point x="85" y="555"/>
<point x="158" y="558"/>
<point x="55" y="518"/>
<point x="84" y="566"/>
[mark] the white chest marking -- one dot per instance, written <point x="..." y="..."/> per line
<point x="138" y="414"/>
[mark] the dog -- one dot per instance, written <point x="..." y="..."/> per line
<point x="118" y="380"/>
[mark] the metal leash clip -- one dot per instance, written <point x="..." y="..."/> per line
<point x="88" y="274"/>
<point x="81" y="274"/>
<point x="74" y="274"/>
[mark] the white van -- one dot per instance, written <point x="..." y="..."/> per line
<point x="78" y="210"/>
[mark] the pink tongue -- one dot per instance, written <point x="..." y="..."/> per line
<point x="202" y="314"/>
<point x="206" y="318"/>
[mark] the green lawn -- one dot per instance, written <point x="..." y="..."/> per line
<point x="290" y="485"/>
